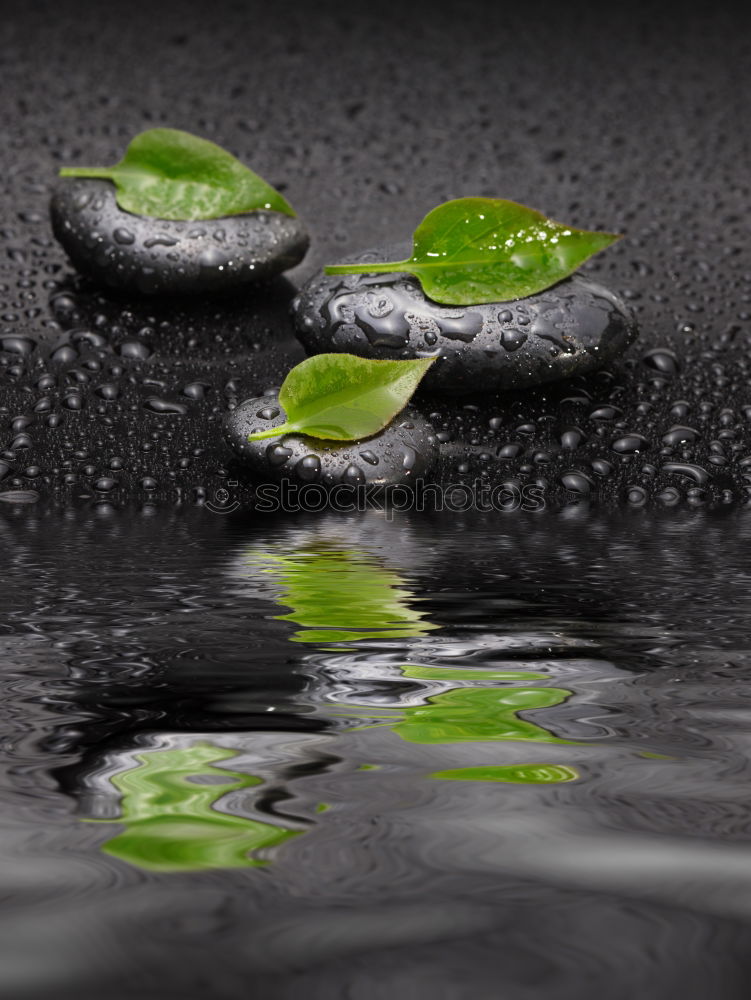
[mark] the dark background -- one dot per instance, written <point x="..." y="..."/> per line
<point x="625" y="117"/>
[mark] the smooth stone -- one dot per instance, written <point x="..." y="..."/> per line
<point x="153" y="256"/>
<point x="400" y="454"/>
<point x="570" y="329"/>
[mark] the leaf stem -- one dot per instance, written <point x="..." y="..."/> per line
<point x="103" y="172"/>
<point x="385" y="268"/>
<point x="271" y="432"/>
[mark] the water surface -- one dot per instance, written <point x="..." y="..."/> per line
<point x="467" y="756"/>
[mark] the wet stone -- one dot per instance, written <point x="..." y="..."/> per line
<point x="400" y="454"/>
<point x="160" y="256"/>
<point x="571" y="329"/>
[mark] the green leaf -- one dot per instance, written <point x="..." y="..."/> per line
<point x="169" y="174"/>
<point x="475" y="250"/>
<point x="344" y="398"/>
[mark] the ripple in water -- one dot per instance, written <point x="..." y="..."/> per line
<point x="375" y="743"/>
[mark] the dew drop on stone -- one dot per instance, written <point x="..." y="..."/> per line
<point x="353" y="476"/>
<point x="512" y="339"/>
<point x="123" y="236"/>
<point x="409" y="458"/>
<point x="464" y="328"/>
<point x="277" y="454"/>
<point x="378" y="305"/>
<point x="308" y="468"/>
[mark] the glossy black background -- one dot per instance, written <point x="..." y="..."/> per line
<point x="628" y="117"/>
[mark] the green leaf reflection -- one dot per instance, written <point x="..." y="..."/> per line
<point x="515" y="774"/>
<point x="340" y="595"/>
<point x="468" y="715"/>
<point x="456" y="672"/>
<point x="171" y="823"/>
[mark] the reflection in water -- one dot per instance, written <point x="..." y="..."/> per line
<point x="474" y="715"/>
<point x="171" y="821"/>
<point x="343" y="598"/>
<point x="516" y="774"/>
<point x="345" y="594"/>
<point x="340" y="594"/>
<point x="577" y="881"/>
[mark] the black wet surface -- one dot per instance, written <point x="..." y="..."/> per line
<point x="366" y="118"/>
<point x="139" y="626"/>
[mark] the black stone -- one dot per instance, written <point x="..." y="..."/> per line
<point x="401" y="454"/>
<point x="153" y="256"/>
<point x="571" y="329"/>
